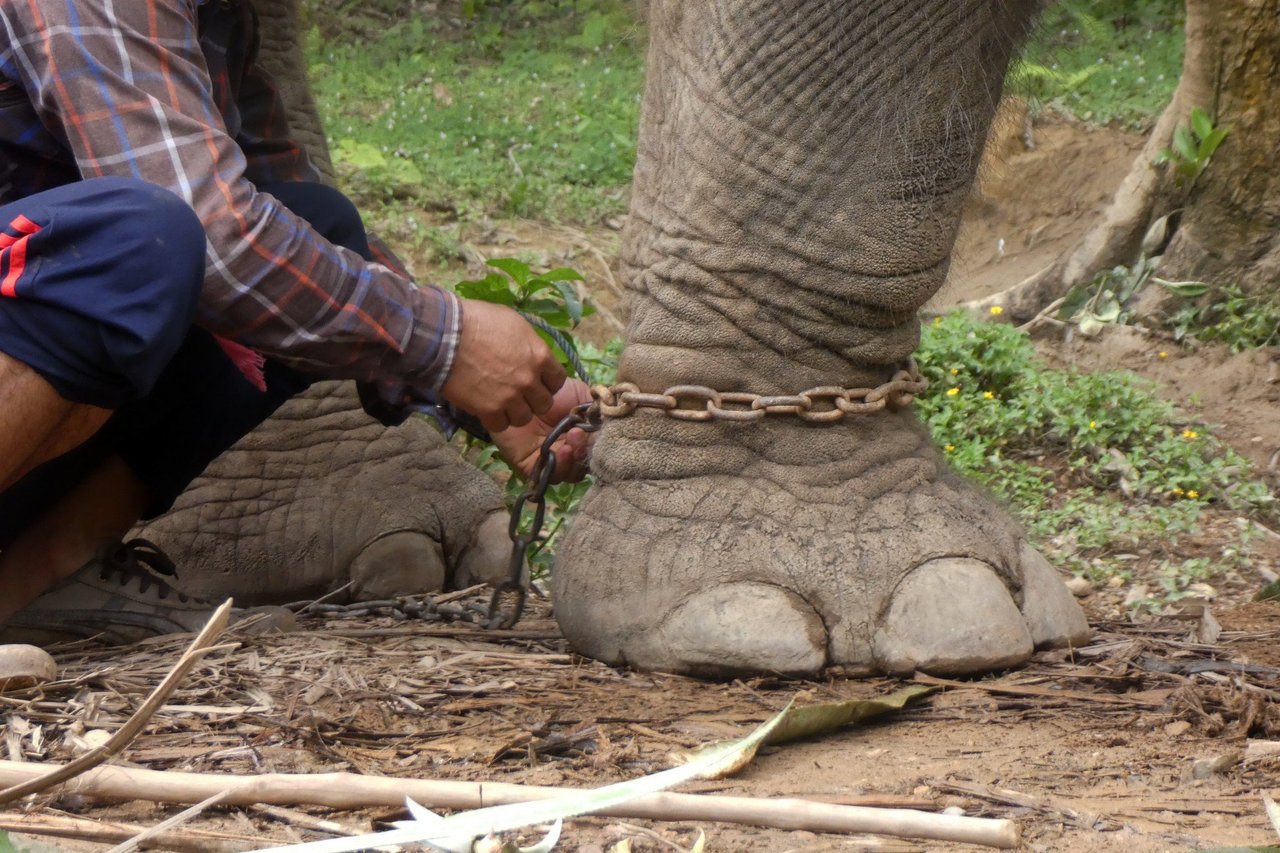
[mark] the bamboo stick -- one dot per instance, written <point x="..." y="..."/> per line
<point x="350" y="791"/>
<point x="200" y="646"/>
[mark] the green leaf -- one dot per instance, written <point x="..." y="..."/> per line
<point x="593" y="32"/>
<point x="563" y="274"/>
<point x="1184" y="144"/>
<point x="1210" y="143"/>
<point x="572" y="302"/>
<point x="1108" y="310"/>
<point x="1075" y="299"/>
<point x="1201" y="123"/>
<point x="6" y="846"/>
<point x="492" y="288"/>
<point x="1185" y="289"/>
<point x="549" y="311"/>
<point x="518" y="270"/>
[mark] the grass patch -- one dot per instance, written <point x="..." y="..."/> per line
<point x="1095" y="465"/>
<point x="1104" y="61"/>
<point x="527" y="110"/>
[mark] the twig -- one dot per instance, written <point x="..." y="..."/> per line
<point x="167" y="824"/>
<point x="63" y="826"/>
<point x="349" y="791"/>
<point x="305" y="820"/>
<point x="200" y="646"/>
<point x="1043" y="316"/>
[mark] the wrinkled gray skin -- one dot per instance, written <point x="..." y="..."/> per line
<point x="802" y="169"/>
<point x="321" y="496"/>
<point x="801" y="172"/>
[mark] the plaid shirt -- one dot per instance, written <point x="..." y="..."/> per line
<point x="168" y="91"/>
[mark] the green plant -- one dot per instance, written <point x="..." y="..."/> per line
<point x="525" y="109"/>
<point x="1193" y="147"/>
<point x="1095" y="465"/>
<point x="550" y="298"/>
<point x="1105" y="300"/>
<point x="1104" y="61"/>
<point x="1225" y="314"/>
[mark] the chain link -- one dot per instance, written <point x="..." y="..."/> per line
<point x="826" y="404"/>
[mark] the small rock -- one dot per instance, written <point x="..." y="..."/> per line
<point x="954" y="811"/>
<point x="1203" y="768"/>
<point x="1138" y="592"/>
<point x="25" y="666"/>
<point x="1080" y="587"/>
<point x="1116" y="582"/>
<point x="1178" y="727"/>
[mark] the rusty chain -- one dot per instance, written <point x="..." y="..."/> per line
<point x="824" y="404"/>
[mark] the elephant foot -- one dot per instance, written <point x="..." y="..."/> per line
<point x="320" y="497"/>
<point x="726" y="549"/>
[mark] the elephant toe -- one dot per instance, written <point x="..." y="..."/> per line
<point x="488" y="558"/>
<point x="1051" y="611"/>
<point x="737" y="628"/>
<point x="403" y="562"/>
<point x="952" y="616"/>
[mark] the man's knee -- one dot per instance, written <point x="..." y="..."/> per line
<point x="121" y="266"/>
<point x="161" y="246"/>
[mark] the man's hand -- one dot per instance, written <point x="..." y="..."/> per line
<point x="503" y="373"/>
<point x="520" y="445"/>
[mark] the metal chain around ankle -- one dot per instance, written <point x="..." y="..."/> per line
<point x="824" y="404"/>
<point x="624" y="399"/>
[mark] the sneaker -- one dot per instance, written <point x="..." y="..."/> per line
<point x="123" y="595"/>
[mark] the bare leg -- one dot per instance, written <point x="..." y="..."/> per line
<point x="95" y="514"/>
<point x="35" y="423"/>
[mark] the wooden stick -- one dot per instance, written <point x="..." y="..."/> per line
<point x="350" y="791"/>
<point x="200" y="646"/>
<point x="186" y="840"/>
<point x="167" y="824"/>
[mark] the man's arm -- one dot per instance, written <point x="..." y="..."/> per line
<point x="126" y="85"/>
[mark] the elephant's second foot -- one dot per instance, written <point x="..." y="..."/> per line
<point x="786" y="548"/>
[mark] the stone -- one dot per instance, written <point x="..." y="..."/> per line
<point x="22" y="667"/>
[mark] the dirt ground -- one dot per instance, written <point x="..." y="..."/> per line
<point x="1092" y="749"/>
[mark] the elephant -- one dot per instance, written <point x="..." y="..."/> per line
<point x="801" y="170"/>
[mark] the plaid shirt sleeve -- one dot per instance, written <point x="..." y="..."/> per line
<point x="126" y="85"/>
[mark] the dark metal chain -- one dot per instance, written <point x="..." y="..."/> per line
<point x="585" y="417"/>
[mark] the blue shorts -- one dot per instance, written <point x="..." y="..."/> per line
<point x="98" y="286"/>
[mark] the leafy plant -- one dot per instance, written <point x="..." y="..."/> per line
<point x="1105" y="61"/>
<point x="1105" y="300"/>
<point x="552" y="298"/>
<point x="1226" y="314"/>
<point x="1094" y="464"/>
<point x="1193" y="147"/>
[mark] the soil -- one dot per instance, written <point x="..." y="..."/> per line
<point x="1092" y="749"/>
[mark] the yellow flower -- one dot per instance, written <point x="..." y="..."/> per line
<point x="1177" y="493"/>
<point x="1093" y="424"/>
<point x="951" y="392"/>
<point x="988" y="395"/>
<point x="937" y="321"/>
<point x="1193" y="494"/>
<point x="1162" y="354"/>
<point x="1190" y="434"/>
<point x="996" y="310"/>
<point x="955" y="371"/>
<point x="949" y="448"/>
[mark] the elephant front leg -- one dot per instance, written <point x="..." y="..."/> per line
<point x="801" y="173"/>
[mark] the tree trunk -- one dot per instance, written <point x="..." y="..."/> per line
<point x="281" y="55"/>
<point x="1228" y="231"/>
<point x="1225" y="223"/>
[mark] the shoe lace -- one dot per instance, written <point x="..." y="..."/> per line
<point x="141" y="560"/>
